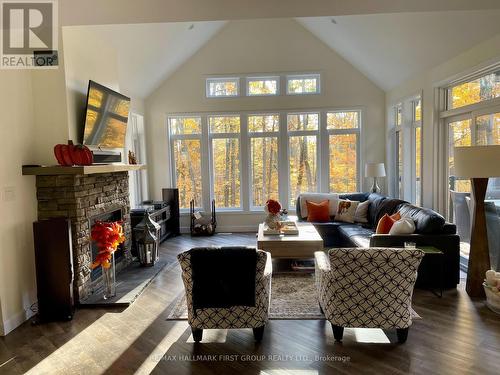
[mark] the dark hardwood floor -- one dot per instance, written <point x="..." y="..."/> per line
<point x="455" y="336"/>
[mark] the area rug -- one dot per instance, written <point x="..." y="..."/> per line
<point x="293" y="296"/>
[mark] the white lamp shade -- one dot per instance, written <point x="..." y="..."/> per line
<point x="477" y="161"/>
<point x="374" y="170"/>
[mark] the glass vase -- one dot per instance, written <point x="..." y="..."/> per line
<point x="272" y="221"/>
<point x="109" y="280"/>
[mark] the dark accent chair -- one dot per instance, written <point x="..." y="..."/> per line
<point x="431" y="230"/>
<point x="254" y="317"/>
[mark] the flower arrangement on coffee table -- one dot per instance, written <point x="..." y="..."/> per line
<point x="273" y="210"/>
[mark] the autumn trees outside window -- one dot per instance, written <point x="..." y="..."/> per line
<point x="225" y="155"/>
<point x="185" y="136"/>
<point x="472" y="116"/>
<point x="220" y="87"/>
<point x="264" y="85"/>
<point x="242" y="160"/>
<point x="303" y="84"/>
<point x="343" y="140"/>
<point x="303" y="130"/>
<point x="264" y="158"/>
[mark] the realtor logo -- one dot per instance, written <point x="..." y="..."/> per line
<point x="29" y="34"/>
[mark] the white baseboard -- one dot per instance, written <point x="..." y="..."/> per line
<point x="15" y="321"/>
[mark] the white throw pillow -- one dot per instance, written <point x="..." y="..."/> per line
<point x="346" y="210"/>
<point x="404" y="225"/>
<point x="318" y="198"/>
<point x="361" y="215"/>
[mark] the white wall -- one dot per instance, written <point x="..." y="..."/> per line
<point x="17" y="199"/>
<point x="477" y="57"/>
<point x="260" y="46"/>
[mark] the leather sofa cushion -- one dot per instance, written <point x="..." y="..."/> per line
<point x="359" y="197"/>
<point x="426" y="220"/>
<point x="380" y="207"/>
<point x="358" y="236"/>
<point x="376" y="200"/>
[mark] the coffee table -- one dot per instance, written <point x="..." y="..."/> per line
<point x="294" y="246"/>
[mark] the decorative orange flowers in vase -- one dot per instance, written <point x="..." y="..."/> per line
<point x="107" y="236"/>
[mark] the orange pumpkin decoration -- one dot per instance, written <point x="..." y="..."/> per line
<point x="71" y="154"/>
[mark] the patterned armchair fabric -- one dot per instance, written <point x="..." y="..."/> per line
<point x="367" y="287"/>
<point x="236" y="316"/>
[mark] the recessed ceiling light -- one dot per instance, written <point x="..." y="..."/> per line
<point x="191" y="27"/>
<point x="333" y="21"/>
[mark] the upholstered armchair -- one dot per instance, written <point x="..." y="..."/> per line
<point x="236" y="316"/>
<point x="367" y="288"/>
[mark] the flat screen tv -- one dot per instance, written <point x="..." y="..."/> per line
<point x="106" y="117"/>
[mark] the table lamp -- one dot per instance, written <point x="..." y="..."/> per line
<point x="375" y="170"/>
<point x="477" y="163"/>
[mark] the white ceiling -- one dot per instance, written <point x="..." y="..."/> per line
<point x="149" y="53"/>
<point x="390" y="48"/>
<point x="387" y="48"/>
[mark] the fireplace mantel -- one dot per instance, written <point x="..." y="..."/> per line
<point x="53" y="170"/>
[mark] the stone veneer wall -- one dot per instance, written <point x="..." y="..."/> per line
<point x="80" y="197"/>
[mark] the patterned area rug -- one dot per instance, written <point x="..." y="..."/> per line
<point x="293" y="296"/>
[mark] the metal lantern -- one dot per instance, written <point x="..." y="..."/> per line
<point x="147" y="237"/>
<point x="147" y="248"/>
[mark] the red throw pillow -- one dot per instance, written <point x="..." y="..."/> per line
<point x="318" y="212"/>
<point x="386" y="222"/>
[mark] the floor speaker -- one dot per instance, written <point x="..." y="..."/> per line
<point x="54" y="269"/>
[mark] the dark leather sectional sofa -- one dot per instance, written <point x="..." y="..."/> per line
<point x="431" y="230"/>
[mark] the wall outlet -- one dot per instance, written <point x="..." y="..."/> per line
<point x="9" y="194"/>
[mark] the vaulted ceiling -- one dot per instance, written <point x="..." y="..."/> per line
<point x="390" y="48"/>
<point x="387" y="48"/>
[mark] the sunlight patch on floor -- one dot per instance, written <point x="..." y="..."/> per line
<point x="162" y="348"/>
<point x="102" y="346"/>
<point x="371" y="335"/>
<point x="288" y="371"/>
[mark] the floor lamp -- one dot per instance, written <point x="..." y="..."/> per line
<point x="477" y="163"/>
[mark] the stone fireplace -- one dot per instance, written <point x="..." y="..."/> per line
<point x="85" y="198"/>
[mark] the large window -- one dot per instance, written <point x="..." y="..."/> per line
<point x="243" y="159"/>
<point x="471" y="116"/>
<point x="264" y="135"/>
<point x="225" y="155"/>
<point x="303" y="153"/>
<point x="399" y="172"/>
<point x="343" y="134"/>
<point x="407" y="149"/>
<point x="416" y="106"/>
<point x="185" y="144"/>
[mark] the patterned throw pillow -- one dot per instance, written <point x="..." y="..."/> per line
<point x="318" y="212"/>
<point x="386" y="222"/>
<point x="346" y="210"/>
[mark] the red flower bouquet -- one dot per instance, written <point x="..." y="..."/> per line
<point x="107" y="236"/>
<point x="273" y="207"/>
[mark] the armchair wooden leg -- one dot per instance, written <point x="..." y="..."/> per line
<point x="338" y="332"/>
<point x="197" y="334"/>
<point x="258" y="333"/>
<point x="402" y="334"/>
